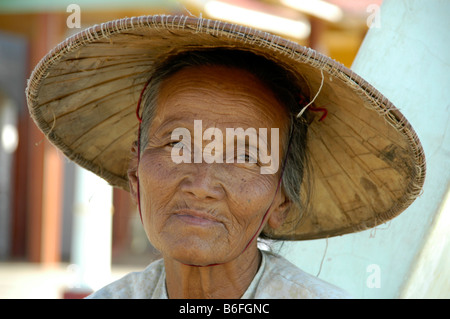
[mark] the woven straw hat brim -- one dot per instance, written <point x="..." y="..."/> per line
<point x="367" y="162"/>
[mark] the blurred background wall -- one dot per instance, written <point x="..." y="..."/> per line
<point x="40" y="189"/>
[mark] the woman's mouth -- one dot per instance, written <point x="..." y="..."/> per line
<point x="196" y="218"/>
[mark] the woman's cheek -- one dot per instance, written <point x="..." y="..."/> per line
<point x="157" y="175"/>
<point x="250" y="196"/>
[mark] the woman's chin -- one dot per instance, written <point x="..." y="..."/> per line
<point x="193" y="259"/>
<point x="195" y="253"/>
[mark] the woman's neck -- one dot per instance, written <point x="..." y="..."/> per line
<point x="225" y="281"/>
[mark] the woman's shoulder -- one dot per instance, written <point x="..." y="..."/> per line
<point x="148" y="283"/>
<point x="282" y="279"/>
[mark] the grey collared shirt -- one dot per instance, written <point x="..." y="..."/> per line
<point x="276" y="278"/>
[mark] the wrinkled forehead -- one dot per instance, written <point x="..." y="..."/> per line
<point x="219" y="96"/>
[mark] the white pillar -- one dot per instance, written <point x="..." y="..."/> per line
<point x="406" y="56"/>
<point x="92" y="231"/>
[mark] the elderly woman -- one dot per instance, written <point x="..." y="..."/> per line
<point x="227" y="122"/>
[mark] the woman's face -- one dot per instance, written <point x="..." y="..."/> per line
<point x="206" y="213"/>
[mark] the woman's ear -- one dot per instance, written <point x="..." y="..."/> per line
<point x="280" y="212"/>
<point x="132" y="172"/>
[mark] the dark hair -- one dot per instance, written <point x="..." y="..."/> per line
<point x="282" y="83"/>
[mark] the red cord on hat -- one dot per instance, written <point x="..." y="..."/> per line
<point x="312" y="108"/>
<point x="320" y="109"/>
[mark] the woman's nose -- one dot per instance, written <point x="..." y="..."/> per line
<point x="202" y="182"/>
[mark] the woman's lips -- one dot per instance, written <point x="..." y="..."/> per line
<point x="196" y="217"/>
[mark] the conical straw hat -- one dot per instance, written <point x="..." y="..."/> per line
<point x="367" y="162"/>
